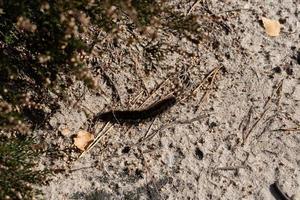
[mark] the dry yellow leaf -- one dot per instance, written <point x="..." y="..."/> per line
<point x="272" y="27"/>
<point x="83" y="139"/>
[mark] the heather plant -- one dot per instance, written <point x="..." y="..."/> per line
<point x="40" y="51"/>
<point x="18" y="158"/>
<point x="44" y="45"/>
<point x="43" y="49"/>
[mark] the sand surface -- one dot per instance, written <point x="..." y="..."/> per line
<point x="229" y="136"/>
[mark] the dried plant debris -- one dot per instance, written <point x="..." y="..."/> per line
<point x="83" y="139"/>
<point x="272" y="27"/>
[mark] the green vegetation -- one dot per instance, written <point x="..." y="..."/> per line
<point x="17" y="159"/>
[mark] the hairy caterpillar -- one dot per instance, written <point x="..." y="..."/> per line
<point x="136" y="115"/>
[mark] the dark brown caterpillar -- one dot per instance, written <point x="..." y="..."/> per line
<point x="278" y="193"/>
<point x="135" y="116"/>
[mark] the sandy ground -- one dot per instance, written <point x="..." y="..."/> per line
<point x="229" y="135"/>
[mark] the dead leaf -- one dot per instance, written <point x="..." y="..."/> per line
<point x="272" y="27"/>
<point x="83" y="139"/>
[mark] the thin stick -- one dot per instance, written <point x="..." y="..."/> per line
<point x="215" y="72"/>
<point x="212" y="73"/>
<point x="229" y="168"/>
<point x="192" y="7"/>
<point x="288" y="129"/>
<point x="102" y="130"/>
<point x="236" y="10"/>
<point x="276" y="90"/>
<point x="254" y="125"/>
<point x="149" y="129"/>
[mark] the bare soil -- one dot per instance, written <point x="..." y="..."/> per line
<point x="232" y="133"/>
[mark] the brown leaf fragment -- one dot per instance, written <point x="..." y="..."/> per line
<point x="83" y="139"/>
<point x="272" y="27"/>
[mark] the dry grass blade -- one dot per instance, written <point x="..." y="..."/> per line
<point x="246" y="120"/>
<point x="192" y="7"/>
<point x="154" y="92"/>
<point x="267" y="124"/>
<point x="288" y="129"/>
<point x="277" y="91"/>
<point x="136" y="98"/>
<point x="211" y="75"/>
<point x="149" y="129"/>
<point x="245" y="136"/>
<point x="207" y="92"/>
<point x="150" y="136"/>
<point x="96" y="140"/>
<point x="229" y="168"/>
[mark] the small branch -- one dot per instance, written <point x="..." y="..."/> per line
<point x="192" y="7"/>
